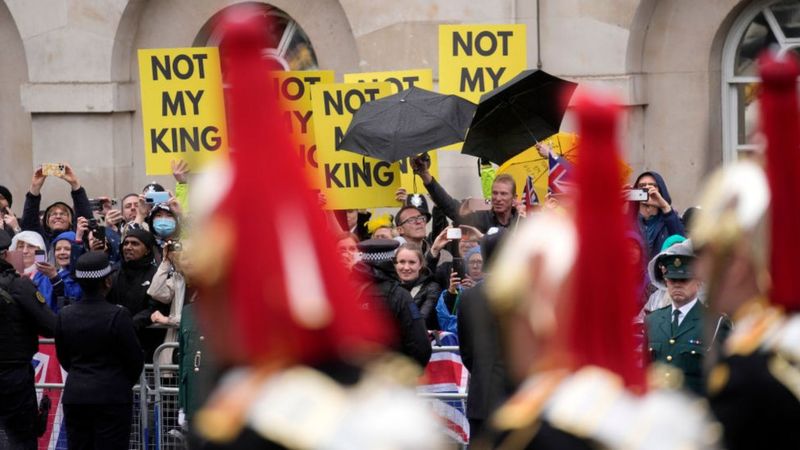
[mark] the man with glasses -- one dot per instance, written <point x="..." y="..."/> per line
<point x="412" y="226"/>
<point x="657" y="219"/>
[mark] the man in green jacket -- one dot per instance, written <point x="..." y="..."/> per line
<point x="675" y="332"/>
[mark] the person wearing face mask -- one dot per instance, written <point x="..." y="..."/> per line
<point x="163" y="223"/>
<point x="44" y="275"/>
<point x="417" y="279"/>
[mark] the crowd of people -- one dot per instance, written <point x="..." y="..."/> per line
<point x="111" y="281"/>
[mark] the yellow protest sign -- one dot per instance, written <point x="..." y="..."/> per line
<point x="401" y="80"/>
<point x="474" y="59"/>
<point x="347" y="179"/>
<point x="294" y="92"/>
<point x="183" y="114"/>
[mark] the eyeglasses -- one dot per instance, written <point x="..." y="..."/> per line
<point x="476" y="263"/>
<point x="646" y="185"/>
<point x="415" y="220"/>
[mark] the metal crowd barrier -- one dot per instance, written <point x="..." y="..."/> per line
<point x="155" y="406"/>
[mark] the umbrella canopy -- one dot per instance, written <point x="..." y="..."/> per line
<point x="517" y="115"/>
<point x="530" y="163"/>
<point x="406" y="124"/>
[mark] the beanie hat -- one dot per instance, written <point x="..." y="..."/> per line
<point x="6" y="195"/>
<point x="143" y="236"/>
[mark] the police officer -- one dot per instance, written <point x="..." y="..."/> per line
<point x="675" y="332"/>
<point x="96" y="343"/>
<point x="23" y="317"/>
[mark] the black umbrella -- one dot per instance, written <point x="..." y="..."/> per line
<point x="517" y="115"/>
<point x="406" y="124"/>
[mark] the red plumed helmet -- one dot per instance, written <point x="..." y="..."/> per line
<point x="604" y="304"/>
<point x="779" y="122"/>
<point x="287" y="298"/>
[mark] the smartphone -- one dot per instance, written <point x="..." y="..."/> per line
<point x="458" y="267"/>
<point x="41" y="256"/>
<point x="155" y="198"/>
<point x="637" y="195"/>
<point x="454" y="234"/>
<point x="479" y="204"/>
<point x="51" y="169"/>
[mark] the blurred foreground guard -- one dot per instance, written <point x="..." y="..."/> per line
<point x="569" y="316"/>
<point x="747" y="237"/>
<point x="307" y="373"/>
<point x="24" y="315"/>
<point x="97" y="344"/>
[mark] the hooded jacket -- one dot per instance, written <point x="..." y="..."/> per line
<point x="72" y="290"/>
<point x="30" y="213"/>
<point x="659" y="227"/>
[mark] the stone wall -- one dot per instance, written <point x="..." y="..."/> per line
<point x="69" y="88"/>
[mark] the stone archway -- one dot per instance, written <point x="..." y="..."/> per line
<point x="176" y="23"/>
<point x="676" y="46"/>
<point x="16" y="157"/>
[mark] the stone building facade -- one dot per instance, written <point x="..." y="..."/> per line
<point x="69" y="88"/>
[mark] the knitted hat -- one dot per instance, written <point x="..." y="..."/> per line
<point x="145" y="237"/>
<point x="6" y="194"/>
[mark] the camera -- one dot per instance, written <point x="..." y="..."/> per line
<point x="454" y="233"/>
<point x="98" y="231"/>
<point x="421" y="162"/>
<point x="174" y="246"/>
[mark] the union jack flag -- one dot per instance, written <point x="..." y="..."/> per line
<point x="48" y="370"/>
<point x="529" y="196"/>
<point x="445" y="373"/>
<point x="559" y="178"/>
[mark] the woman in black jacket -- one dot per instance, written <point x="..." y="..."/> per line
<point x="419" y="281"/>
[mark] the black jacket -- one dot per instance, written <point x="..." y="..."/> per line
<point x="482" y="220"/>
<point x="411" y="330"/>
<point x="481" y="351"/>
<point x="425" y="291"/>
<point x="30" y="214"/>
<point x="97" y="345"/>
<point x="24" y="316"/>
<point x="129" y="289"/>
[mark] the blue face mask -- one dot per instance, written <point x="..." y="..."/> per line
<point x="164" y="226"/>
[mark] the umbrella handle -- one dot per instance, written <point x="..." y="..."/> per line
<point x="516" y="114"/>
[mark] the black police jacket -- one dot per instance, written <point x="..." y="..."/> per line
<point x="24" y="316"/>
<point x="96" y="343"/>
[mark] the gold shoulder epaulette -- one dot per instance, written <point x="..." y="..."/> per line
<point x="225" y="414"/>
<point x="752" y="324"/>
<point x="525" y="406"/>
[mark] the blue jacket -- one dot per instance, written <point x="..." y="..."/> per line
<point x="72" y="291"/>
<point x="661" y="226"/>
<point x="45" y="287"/>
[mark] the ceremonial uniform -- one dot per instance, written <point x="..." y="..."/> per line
<point x="23" y="317"/>
<point x="754" y="390"/>
<point x="591" y="409"/>
<point x="675" y="336"/>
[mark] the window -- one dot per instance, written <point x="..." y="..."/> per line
<point x="761" y="25"/>
<point x="293" y="51"/>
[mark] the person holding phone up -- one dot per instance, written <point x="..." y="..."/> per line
<point x="467" y="272"/>
<point x="58" y="217"/>
<point x="43" y="274"/>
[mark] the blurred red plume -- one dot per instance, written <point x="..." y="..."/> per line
<point x="600" y="325"/>
<point x="779" y="122"/>
<point x="288" y="296"/>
